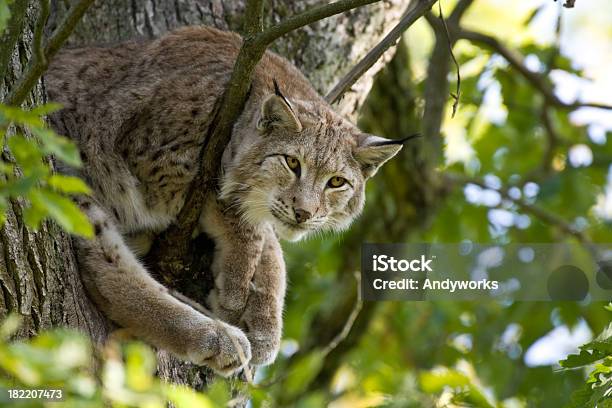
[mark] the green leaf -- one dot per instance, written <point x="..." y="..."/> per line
<point x="5" y="14"/>
<point x="591" y="352"/>
<point x="64" y="149"/>
<point x="434" y="381"/>
<point x="140" y="365"/>
<point x="19" y="116"/>
<point x="68" y="184"/>
<point x="303" y="372"/>
<point x="63" y="211"/>
<point x="9" y="326"/>
<point x="18" y="187"/>
<point x="33" y="216"/>
<point x="184" y="397"/>
<point x="580" y="397"/>
<point x="580" y="360"/>
<point x="47" y="108"/>
<point x="3" y="206"/>
<point x="7" y="168"/>
<point x="26" y="152"/>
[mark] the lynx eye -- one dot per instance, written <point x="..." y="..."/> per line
<point x="294" y="164"/>
<point x="336" y="182"/>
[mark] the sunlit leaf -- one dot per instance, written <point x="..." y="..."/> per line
<point x="64" y="149"/>
<point x="184" y="397"/>
<point x="68" y="184"/>
<point x="303" y="371"/>
<point x="5" y="14"/>
<point x="64" y="211"/>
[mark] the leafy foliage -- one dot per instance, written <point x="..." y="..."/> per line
<point x="25" y="168"/>
<point x="66" y="360"/>
<point x="598" y="388"/>
<point x="27" y="174"/>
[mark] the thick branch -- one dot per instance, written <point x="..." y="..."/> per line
<point x="37" y="65"/>
<point x="516" y="60"/>
<point x="412" y="15"/>
<point x="253" y="18"/>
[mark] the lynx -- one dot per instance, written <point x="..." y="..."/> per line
<point x="139" y="112"/>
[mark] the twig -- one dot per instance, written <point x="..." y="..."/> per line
<point x="457" y="94"/>
<point x="535" y="210"/>
<point x="37" y="66"/>
<point x="569" y="3"/>
<point x="436" y="91"/>
<point x="12" y="34"/>
<point x="308" y="17"/>
<point x="516" y="61"/>
<point x="411" y="15"/>
<point x="346" y="329"/>
<point x="37" y="43"/>
<point x="336" y="340"/>
<point x="553" y="139"/>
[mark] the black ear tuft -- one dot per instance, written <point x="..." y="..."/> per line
<point x="397" y="141"/>
<point x="373" y="151"/>
<point x="278" y="93"/>
<point x="276" y="111"/>
<point x="276" y="88"/>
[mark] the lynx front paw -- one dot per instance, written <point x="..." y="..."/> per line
<point x="223" y="348"/>
<point x="264" y="347"/>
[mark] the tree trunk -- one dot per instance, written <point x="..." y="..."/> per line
<point x="38" y="271"/>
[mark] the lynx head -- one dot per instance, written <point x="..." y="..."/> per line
<point x="305" y="170"/>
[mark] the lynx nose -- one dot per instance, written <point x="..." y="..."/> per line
<point x="301" y="215"/>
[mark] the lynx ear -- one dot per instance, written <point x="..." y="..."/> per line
<point x="277" y="112"/>
<point x="373" y="151"/>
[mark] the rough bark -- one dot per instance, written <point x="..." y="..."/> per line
<point x="38" y="270"/>
<point x="38" y="274"/>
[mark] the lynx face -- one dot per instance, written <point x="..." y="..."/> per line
<point x="306" y="171"/>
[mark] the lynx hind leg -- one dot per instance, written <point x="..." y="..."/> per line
<point x="128" y="295"/>
<point x="262" y="318"/>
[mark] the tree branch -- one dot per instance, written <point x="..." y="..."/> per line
<point x="308" y="17"/>
<point x="412" y="14"/>
<point x="10" y="37"/>
<point x="37" y="46"/>
<point x="457" y="95"/>
<point x="253" y="18"/>
<point x="37" y="65"/>
<point x="516" y="61"/>
<point x="542" y="214"/>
